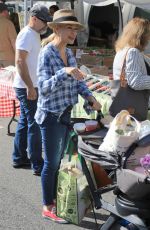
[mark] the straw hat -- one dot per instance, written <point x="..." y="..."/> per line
<point x="65" y="16"/>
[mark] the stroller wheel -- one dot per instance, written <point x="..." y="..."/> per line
<point x="132" y="227"/>
<point x="111" y="174"/>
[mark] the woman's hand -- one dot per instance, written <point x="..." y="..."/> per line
<point x="96" y="105"/>
<point x="31" y="93"/>
<point x="75" y="72"/>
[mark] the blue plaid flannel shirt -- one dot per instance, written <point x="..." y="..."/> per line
<point x="57" y="90"/>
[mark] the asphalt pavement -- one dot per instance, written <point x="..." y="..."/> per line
<point x="21" y="197"/>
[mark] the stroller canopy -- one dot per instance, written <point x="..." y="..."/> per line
<point x="87" y="149"/>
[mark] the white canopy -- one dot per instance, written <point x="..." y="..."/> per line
<point x="145" y="4"/>
<point x="100" y="2"/>
<point x="140" y="3"/>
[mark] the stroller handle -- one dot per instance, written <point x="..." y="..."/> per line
<point x="147" y="180"/>
<point x="99" y="114"/>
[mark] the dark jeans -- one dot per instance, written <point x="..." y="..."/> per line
<point x="54" y="135"/>
<point x="28" y="135"/>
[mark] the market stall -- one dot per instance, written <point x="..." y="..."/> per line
<point x="9" y="105"/>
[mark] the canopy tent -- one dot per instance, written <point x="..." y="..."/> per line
<point x="85" y="5"/>
<point x="145" y="4"/>
<point x="100" y="2"/>
<point x="80" y="11"/>
<point x="128" y="4"/>
<point x="140" y="3"/>
<point x="126" y="10"/>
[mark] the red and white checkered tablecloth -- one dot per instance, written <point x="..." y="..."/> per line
<point x="7" y="97"/>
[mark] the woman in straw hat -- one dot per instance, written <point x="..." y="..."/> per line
<point x="60" y="83"/>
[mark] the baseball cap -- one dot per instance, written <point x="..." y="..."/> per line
<point x="41" y="12"/>
<point x="3" y="7"/>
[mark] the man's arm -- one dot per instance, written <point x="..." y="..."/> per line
<point x="12" y="34"/>
<point x="21" y="65"/>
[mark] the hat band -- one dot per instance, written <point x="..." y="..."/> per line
<point x="68" y="18"/>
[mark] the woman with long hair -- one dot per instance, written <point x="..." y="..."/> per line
<point x="130" y="59"/>
<point x="134" y="38"/>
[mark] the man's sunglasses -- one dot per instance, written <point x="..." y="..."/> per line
<point x="42" y="20"/>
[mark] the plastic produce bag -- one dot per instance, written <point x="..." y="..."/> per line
<point x="122" y="133"/>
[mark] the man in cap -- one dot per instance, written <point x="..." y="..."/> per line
<point x="53" y="9"/>
<point x="7" y="38"/>
<point x="28" y="135"/>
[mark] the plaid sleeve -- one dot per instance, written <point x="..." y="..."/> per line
<point x="88" y="109"/>
<point x="83" y="90"/>
<point x="48" y="82"/>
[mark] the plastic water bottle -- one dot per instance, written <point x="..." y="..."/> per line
<point x="127" y="224"/>
<point x="124" y="222"/>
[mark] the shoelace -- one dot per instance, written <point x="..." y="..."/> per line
<point x="53" y="210"/>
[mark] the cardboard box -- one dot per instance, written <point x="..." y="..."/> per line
<point x="101" y="70"/>
<point x="91" y="60"/>
<point x="108" y="61"/>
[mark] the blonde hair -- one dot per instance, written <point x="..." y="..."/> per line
<point x="50" y="38"/>
<point x="135" y="34"/>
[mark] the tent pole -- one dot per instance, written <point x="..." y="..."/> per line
<point x="72" y="4"/>
<point x="120" y="14"/>
<point x="31" y="3"/>
<point x="25" y="11"/>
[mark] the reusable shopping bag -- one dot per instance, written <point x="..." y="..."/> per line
<point x="126" y="98"/>
<point x="73" y="197"/>
<point x="124" y="130"/>
<point x="135" y="101"/>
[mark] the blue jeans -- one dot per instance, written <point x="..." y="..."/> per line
<point x="28" y="135"/>
<point x="54" y="135"/>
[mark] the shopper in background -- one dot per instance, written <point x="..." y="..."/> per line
<point x="52" y="10"/>
<point x="7" y="38"/>
<point x="59" y="83"/>
<point x="28" y="136"/>
<point x="133" y="44"/>
<point x="129" y="59"/>
<point x="15" y="20"/>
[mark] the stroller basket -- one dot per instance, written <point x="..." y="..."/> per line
<point x="135" y="187"/>
<point x="86" y="148"/>
<point x="128" y="181"/>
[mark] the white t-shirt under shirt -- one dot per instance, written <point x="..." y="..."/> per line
<point x="28" y="40"/>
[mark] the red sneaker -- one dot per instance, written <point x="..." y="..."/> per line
<point x="51" y="214"/>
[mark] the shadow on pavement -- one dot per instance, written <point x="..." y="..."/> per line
<point x="87" y="224"/>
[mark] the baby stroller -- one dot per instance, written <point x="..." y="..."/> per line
<point x="129" y="208"/>
<point x="131" y="189"/>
